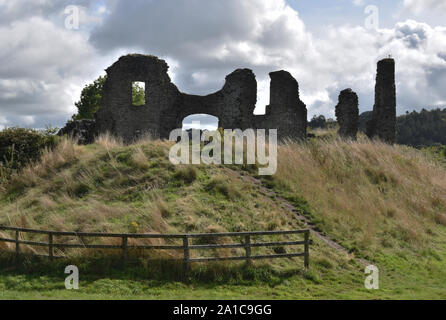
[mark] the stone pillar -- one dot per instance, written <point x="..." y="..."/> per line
<point x="383" y="124"/>
<point x="347" y="114"/>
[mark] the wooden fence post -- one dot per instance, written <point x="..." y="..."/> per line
<point x="307" y="249"/>
<point x="17" y="246"/>
<point x="50" y="246"/>
<point x="124" y="248"/>
<point x="186" y="253"/>
<point x="248" y="249"/>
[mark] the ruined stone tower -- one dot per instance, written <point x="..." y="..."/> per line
<point x="347" y="114"/>
<point x="285" y="112"/>
<point x="166" y="107"/>
<point x="383" y="123"/>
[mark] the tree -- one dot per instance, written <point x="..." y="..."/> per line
<point x="138" y="95"/>
<point x="90" y="101"/>
<point x="318" y="122"/>
<point x="424" y="128"/>
<point x="91" y="98"/>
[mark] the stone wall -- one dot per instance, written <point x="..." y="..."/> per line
<point x="166" y="107"/>
<point x="286" y="112"/>
<point x="347" y="114"/>
<point x="117" y="115"/>
<point x="383" y="123"/>
<point x="82" y="130"/>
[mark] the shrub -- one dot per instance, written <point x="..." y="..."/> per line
<point x="20" y="146"/>
<point x="318" y="122"/>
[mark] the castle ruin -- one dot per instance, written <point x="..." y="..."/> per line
<point x="166" y="107"/>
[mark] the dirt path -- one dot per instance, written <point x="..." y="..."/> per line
<point x="308" y="224"/>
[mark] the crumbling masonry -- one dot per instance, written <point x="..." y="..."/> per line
<point x="383" y="123"/>
<point x="347" y="114"/>
<point x="166" y="107"/>
<point x="83" y="130"/>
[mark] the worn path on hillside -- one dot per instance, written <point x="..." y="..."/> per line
<point x="307" y="222"/>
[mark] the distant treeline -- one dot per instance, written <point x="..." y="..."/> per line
<point x="424" y="128"/>
<point x="417" y="129"/>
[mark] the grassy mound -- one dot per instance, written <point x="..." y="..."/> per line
<point x="109" y="187"/>
<point x="371" y="197"/>
<point x="383" y="203"/>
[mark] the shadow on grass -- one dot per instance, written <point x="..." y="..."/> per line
<point x="158" y="272"/>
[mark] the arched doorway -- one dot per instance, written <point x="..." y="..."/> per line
<point x="201" y="122"/>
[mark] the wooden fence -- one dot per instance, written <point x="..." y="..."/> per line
<point x="186" y="247"/>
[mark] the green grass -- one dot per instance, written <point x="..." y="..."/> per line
<point x="329" y="277"/>
<point x="382" y="203"/>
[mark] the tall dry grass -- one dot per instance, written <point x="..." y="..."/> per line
<point x="58" y="192"/>
<point x="367" y="194"/>
<point x="67" y="151"/>
<point x="108" y="141"/>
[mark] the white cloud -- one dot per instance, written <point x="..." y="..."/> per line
<point x="420" y="6"/>
<point x="351" y="55"/>
<point x="262" y="35"/>
<point x="43" y="62"/>
<point x="48" y="9"/>
<point x="269" y="35"/>
<point x="358" y="3"/>
<point x="203" y="41"/>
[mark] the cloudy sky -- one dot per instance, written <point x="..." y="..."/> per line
<point x="327" y="45"/>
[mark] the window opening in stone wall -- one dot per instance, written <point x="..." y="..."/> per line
<point x="138" y="93"/>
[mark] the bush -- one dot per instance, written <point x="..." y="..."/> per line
<point x="20" y="146"/>
<point x="318" y="122"/>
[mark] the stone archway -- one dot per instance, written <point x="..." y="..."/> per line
<point x="205" y="122"/>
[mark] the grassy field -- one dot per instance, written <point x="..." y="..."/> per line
<point x="386" y="204"/>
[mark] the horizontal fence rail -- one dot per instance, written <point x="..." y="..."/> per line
<point x="186" y="246"/>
